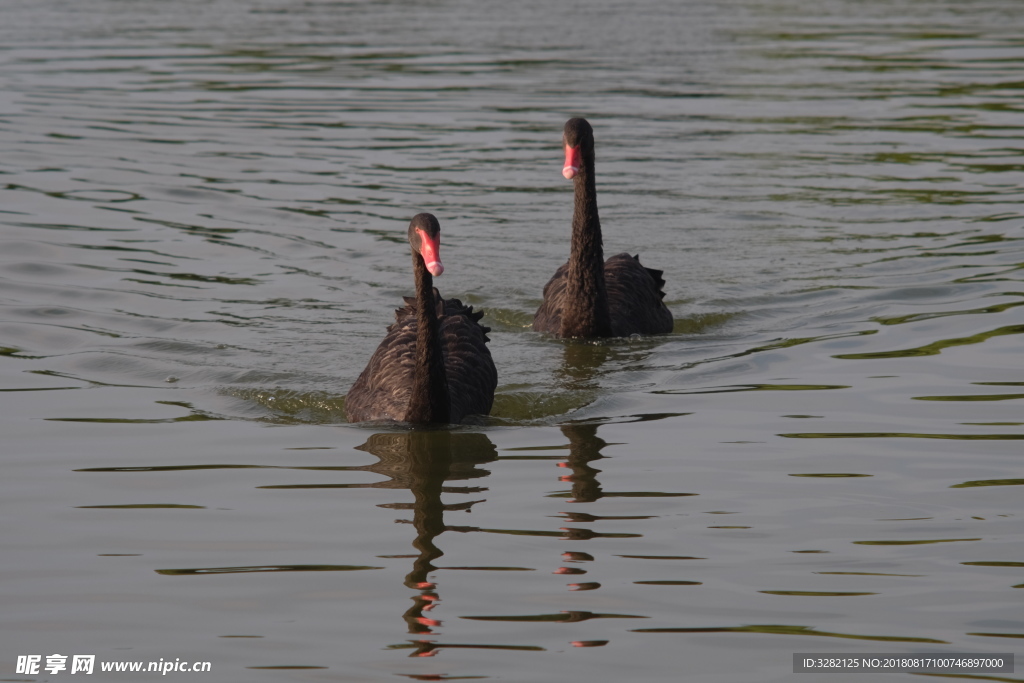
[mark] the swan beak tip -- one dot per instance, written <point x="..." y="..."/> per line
<point x="570" y="172"/>
<point x="435" y="268"/>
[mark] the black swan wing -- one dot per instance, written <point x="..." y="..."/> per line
<point x="383" y="389"/>
<point x="472" y="377"/>
<point x="548" y="317"/>
<point x="635" y="297"/>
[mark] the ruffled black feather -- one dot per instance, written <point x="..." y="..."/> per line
<point x="635" y="297"/>
<point x="383" y="389"/>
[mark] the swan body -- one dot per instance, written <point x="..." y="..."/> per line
<point x="433" y="365"/>
<point x="589" y="297"/>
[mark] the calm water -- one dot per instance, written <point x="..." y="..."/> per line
<point x="203" y="212"/>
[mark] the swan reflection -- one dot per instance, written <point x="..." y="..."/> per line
<point x="422" y="461"/>
<point x="584" y="448"/>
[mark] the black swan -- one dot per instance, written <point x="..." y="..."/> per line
<point x="588" y="296"/>
<point x="433" y="366"/>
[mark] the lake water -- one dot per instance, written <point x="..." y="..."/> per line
<point x="202" y="240"/>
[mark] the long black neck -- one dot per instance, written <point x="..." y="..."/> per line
<point x="588" y="315"/>
<point x="429" y="402"/>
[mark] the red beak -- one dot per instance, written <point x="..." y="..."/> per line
<point x="430" y="250"/>
<point x="572" y="162"/>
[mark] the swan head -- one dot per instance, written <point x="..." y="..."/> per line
<point x="425" y="240"/>
<point x="578" y="140"/>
